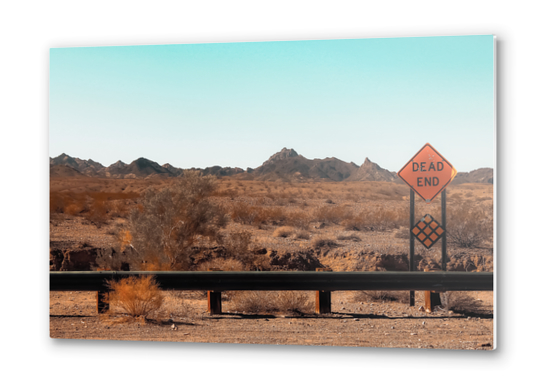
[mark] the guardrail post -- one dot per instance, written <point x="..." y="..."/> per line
<point x="214" y="302"/>
<point x="102" y="301"/>
<point x="214" y="299"/>
<point x="102" y="298"/>
<point x="432" y="298"/>
<point x="323" y="298"/>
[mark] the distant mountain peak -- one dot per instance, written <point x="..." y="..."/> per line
<point x="284" y="153"/>
<point x="369" y="171"/>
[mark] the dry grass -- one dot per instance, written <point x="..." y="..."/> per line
<point x="382" y="296"/>
<point x="284" y="232"/>
<point x="348" y="237"/>
<point x="460" y="302"/>
<point x="136" y="296"/>
<point x="98" y="207"/>
<point x="222" y="264"/>
<point x="322" y="241"/>
<point x="470" y="225"/>
<point x="271" y="302"/>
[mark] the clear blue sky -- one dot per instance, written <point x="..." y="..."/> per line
<point x="235" y="104"/>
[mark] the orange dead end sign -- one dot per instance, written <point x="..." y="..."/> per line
<point x="427" y="173"/>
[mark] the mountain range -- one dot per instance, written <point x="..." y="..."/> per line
<point x="285" y="165"/>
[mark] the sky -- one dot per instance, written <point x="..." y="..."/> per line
<point x="236" y="104"/>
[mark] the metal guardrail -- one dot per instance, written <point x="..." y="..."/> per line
<point x="284" y="281"/>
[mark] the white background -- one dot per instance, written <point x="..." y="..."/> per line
<point x="28" y="29"/>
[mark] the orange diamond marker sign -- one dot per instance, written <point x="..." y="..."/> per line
<point x="427" y="173"/>
<point x="428" y="231"/>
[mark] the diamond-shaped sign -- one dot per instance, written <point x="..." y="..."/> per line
<point x="428" y="231"/>
<point x="427" y="173"/>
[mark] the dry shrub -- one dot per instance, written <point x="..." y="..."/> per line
<point x="459" y="302"/>
<point x="69" y="203"/>
<point x="348" y="237"/>
<point x="299" y="219"/>
<point x="238" y="248"/>
<point x="284" y="232"/>
<point x="173" y="221"/>
<point x="98" y="211"/>
<point x="222" y="264"/>
<point x="332" y="214"/>
<point x="302" y="235"/>
<point x="380" y="296"/>
<point x="271" y="302"/>
<point x="245" y="213"/>
<point x="136" y="295"/>
<point x="124" y="238"/>
<point x="322" y="241"/>
<point x="96" y="206"/>
<point x="272" y="215"/>
<point x="468" y="225"/>
<point x="175" y="306"/>
<point x="378" y="219"/>
<point x="237" y="244"/>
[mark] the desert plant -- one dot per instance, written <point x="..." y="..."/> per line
<point x="283" y="232"/>
<point x="173" y="220"/>
<point x="222" y="264"/>
<point x="460" y="302"/>
<point x="302" y="235"/>
<point x="380" y="296"/>
<point x="332" y="214"/>
<point x="299" y="219"/>
<point x="136" y="295"/>
<point x="469" y="225"/>
<point x="348" y="237"/>
<point x="237" y="246"/>
<point x="322" y="241"/>
<point x="271" y="301"/>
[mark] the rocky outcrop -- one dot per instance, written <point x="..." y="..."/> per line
<point x="370" y="171"/>
<point x="87" y="258"/>
<point x="78" y="259"/>
<point x="295" y="261"/>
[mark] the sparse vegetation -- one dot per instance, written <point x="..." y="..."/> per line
<point x="173" y="220"/>
<point x="284" y="232"/>
<point x="459" y="302"/>
<point x="469" y="225"/>
<point x="348" y="237"/>
<point x="271" y="302"/>
<point x="136" y="296"/>
<point x="322" y="241"/>
<point x="382" y="296"/>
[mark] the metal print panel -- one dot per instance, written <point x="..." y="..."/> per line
<point x="248" y="192"/>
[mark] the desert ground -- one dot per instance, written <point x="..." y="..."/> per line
<point x="281" y="225"/>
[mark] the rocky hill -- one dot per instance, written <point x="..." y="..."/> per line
<point x="289" y="165"/>
<point x="87" y="167"/>
<point x="369" y="171"/>
<point x="62" y="170"/>
<point x="286" y="165"/>
<point x="481" y="175"/>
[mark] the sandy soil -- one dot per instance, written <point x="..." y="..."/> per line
<point x="351" y="323"/>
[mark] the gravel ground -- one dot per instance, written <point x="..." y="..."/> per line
<point x="352" y="323"/>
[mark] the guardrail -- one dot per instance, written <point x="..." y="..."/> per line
<point x="284" y="281"/>
<point x="322" y="282"/>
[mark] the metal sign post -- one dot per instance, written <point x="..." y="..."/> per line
<point x="428" y="174"/>
<point x="411" y="264"/>
<point x="443" y="225"/>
